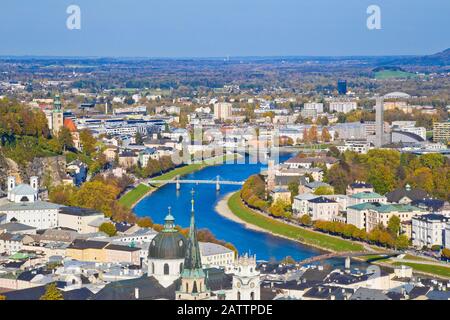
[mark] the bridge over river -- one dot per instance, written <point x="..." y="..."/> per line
<point x="348" y="255"/>
<point x="179" y="182"/>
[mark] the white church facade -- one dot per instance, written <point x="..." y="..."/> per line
<point x="24" y="205"/>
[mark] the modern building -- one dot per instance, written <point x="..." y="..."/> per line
<point x="441" y="131"/>
<point x="379" y="122"/>
<point x="343" y="106"/>
<point x="342" y="87"/>
<point x="222" y="110"/>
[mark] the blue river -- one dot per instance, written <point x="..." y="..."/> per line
<point x="265" y="246"/>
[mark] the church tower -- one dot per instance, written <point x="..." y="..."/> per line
<point x="246" y="279"/>
<point x="193" y="279"/>
<point x="57" y="116"/>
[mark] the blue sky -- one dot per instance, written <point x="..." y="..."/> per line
<point x="217" y="28"/>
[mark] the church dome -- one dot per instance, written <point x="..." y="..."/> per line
<point x="169" y="243"/>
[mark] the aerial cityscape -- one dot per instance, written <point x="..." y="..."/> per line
<point x="246" y="176"/>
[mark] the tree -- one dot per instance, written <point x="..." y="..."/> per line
<point x="2" y="297"/>
<point x="145" y="222"/>
<point x="306" y="220"/>
<point x="88" y="141"/>
<point x="445" y="253"/>
<point x="138" y="138"/>
<point x="293" y="188"/>
<point x="326" y="136"/>
<point x="394" y="225"/>
<point x="402" y="242"/>
<point x="323" y="190"/>
<point x="288" y="260"/>
<point x="65" y="139"/>
<point x="108" y="228"/>
<point x="312" y="134"/>
<point x="52" y="293"/>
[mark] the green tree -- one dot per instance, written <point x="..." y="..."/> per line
<point x="402" y="242"/>
<point x="52" y="293"/>
<point x="108" y="228"/>
<point x="394" y="225"/>
<point x="323" y="190"/>
<point x="293" y="188"/>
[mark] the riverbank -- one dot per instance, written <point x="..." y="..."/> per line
<point x="231" y="207"/>
<point x="142" y="190"/>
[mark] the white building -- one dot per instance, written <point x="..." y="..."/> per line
<point x="429" y="230"/>
<point x="322" y="208"/>
<point x="300" y="204"/>
<point x="222" y="110"/>
<point x="343" y="106"/>
<point x="215" y="255"/>
<point x="78" y="219"/>
<point x="25" y="207"/>
<point x="318" y="107"/>
<point x="246" y="280"/>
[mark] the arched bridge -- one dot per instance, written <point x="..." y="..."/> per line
<point x="179" y="182"/>
<point x="348" y="254"/>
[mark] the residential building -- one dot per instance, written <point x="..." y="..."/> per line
<point x="322" y="208"/>
<point x="78" y="219"/>
<point x="300" y="204"/>
<point x="343" y="106"/>
<point x="359" y="186"/>
<point x="429" y="230"/>
<point x="441" y="131"/>
<point x="366" y="196"/>
<point x="381" y="213"/>
<point x="222" y="110"/>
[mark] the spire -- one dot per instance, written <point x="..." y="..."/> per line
<point x="192" y="261"/>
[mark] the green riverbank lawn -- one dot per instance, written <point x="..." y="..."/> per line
<point x="427" y="268"/>
<point x="134" y="195"/>
<point x="296" y="233"/>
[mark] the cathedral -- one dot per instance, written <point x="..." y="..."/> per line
<point x="174" y="271"/>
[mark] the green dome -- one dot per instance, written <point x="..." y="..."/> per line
<point x="168" y="245"/>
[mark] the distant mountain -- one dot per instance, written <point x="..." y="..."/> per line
<point x="437" y="59"/>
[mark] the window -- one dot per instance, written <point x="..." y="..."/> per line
<point x="166" y="268"/>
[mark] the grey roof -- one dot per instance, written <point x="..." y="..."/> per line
<point x="37" y="205"/>
<point x="81" y="212"/>
<point x="36" y="292"/>
<point x="23" y="190"/>
<point x="399" y="193"/>
<point x="208" y="249"/>
<point x="306" y="196"/>
<point x="438" y="295"/>
<point x="368" y="294"/>
<point x="148" y="287"/>
<point x="15" y="227"/>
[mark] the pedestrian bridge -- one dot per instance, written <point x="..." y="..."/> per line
<point x="348" y="254"/>
<point x="179" y="182"/>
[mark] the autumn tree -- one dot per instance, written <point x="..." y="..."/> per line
<point x="326" y="136"/>
<point x="145" y="222"/>
<point x="52" y="293"/>
<point x="108" y="228"/>
<point x="88" y="142"/>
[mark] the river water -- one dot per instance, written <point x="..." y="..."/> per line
<point x="265" y="246"/>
